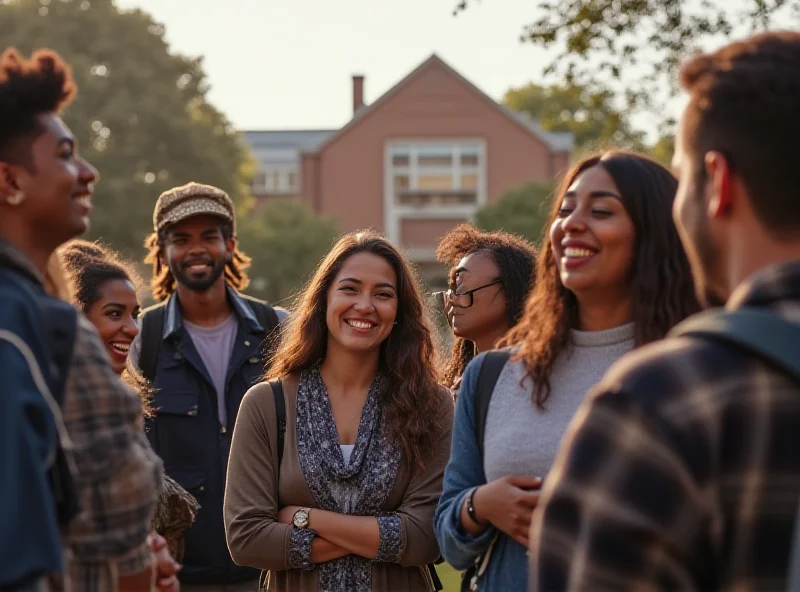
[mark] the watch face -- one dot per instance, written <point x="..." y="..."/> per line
<point x="301" y="518"/>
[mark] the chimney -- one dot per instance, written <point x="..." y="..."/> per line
<point x="358" y="93"/>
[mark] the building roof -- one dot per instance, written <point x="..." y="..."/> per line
<point x="284" y="146"/>
<point x="558" y="142"/>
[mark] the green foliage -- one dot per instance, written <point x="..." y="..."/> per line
<point x="663" y="149"/>
<point x="286" y="241"/>
<point x="590" y="116"/>
<point x="615" y="37"/>
<point x="522" y="211"/>
<point x="141" y="116"/>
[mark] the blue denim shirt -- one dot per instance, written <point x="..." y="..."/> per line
<point x="508" y="567"/>
<point x="30" y="539"/>
<point x="187" y="435"/>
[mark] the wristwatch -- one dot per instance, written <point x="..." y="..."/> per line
<point x="301" y="518"/>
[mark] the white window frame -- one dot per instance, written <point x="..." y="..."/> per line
<point x="394" y="213"/>
<point x="284" y="174"/>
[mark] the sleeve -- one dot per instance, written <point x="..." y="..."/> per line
<point x="464" y="471"/>
<point x="255" y="537"/>
<point x="619" y="509"/>
<point x="30" y="541"/>
<point x="407" y="536"/>
<point x="118" y="475"/>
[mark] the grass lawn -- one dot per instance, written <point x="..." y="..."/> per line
<point x="451" y="579"/>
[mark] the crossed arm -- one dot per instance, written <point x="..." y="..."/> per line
<point x="259" y="531"/>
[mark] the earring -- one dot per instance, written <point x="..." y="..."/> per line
<point x="15" y="199"/>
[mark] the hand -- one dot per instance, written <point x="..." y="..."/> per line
<point x="166" y="567"/>
<point x="286" y="514"/>
<point x="508" y="503"/>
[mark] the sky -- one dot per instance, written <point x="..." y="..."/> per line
<point x="287" y="64"/>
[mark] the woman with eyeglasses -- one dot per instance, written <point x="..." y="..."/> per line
<point x="611" y="276"/>
<point x="491" y="275"/>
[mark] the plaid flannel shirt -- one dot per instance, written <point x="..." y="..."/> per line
<point x="118" y="475"/>
<point x="681" y="471"/>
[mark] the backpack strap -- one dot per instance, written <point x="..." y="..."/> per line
<point x="757" y="331"/>
<point x="151" y="338"/>
<point x="280" y="413"/>
<point x="264" y="313"/>
<point x="493" y="364"/>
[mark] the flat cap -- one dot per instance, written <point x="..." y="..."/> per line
<point x="192" y="199"/>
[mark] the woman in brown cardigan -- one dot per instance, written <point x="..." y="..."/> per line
<point x="367" y="436"/>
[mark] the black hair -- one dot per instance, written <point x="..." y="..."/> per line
<point x="516" y="261"/>
<point x="29" y="88"/>
<point x="90" y="265"/>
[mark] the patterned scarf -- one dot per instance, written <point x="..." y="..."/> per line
<point x="359" y="488"/>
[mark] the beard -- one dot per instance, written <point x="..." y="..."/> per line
<point x="185" y="277"/>
<point x="705" y="260"/>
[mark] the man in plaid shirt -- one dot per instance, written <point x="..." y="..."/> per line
<point x="682" y="469"/>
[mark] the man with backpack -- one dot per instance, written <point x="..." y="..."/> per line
<point x="681" y="471"/>
<point x="201" y="349"/>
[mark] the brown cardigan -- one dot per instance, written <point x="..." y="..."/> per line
<point x="255" y="538"/>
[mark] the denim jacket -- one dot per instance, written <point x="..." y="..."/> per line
<point x="508" y="566"/>
<point x="30" y="539"/>
<point x="186" y="433"/>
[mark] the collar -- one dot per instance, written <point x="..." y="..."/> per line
<point x="173" y="319"/>
<point x="769" y="287"/>
<point x="10" y="256"/>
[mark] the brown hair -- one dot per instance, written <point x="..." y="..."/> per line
<point x="743" y="102"/>
<point x="662" y="287"/>
<point x="410" y="396"/>
<point x="516" y="262"/>
<point x="163" y="282"/>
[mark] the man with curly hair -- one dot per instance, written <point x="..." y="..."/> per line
<point x="681" y="471"/>
<point x="56" y="374"/>
<point x="201" y="348"/>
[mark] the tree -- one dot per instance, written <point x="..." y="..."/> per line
<point x="590" y="116"/>
<point x="646" y="37"/>
<point x="521" y="211"/>
<point x="141" y="116"/>
<point x="663" y="149"/>
<point x="286" y="241"/>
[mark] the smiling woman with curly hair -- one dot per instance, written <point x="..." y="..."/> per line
<point x="611" y="276"/>
<point x="350" y="506"/>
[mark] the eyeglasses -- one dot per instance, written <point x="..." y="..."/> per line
<point x="456" y="297"/>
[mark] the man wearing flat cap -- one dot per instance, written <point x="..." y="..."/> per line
<point x="201" y="348"/>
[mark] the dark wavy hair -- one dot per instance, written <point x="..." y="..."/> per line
<point x="662" y="286"/>
<point x="411" y="398"/>
<point x="163" y="282"/>
<point x="743" y="102"/>
<point x="516" y="261"/>
<point x="87" y="267"/>
<point x="29" y="88"/>
<point x="90" y="265"/>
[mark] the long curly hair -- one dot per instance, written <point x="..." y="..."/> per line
<point x="662" y="287"/>
<point x="516" y="261"/>
<point x="411" y="398"/>
<point x="163" y="282"/>
<point x="87" y="267"/>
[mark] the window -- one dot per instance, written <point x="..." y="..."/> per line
<point x="275" y="180"/>
<point x="435" y="173"/>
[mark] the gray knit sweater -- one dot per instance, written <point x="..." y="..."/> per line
<point x="521" y="439"/>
